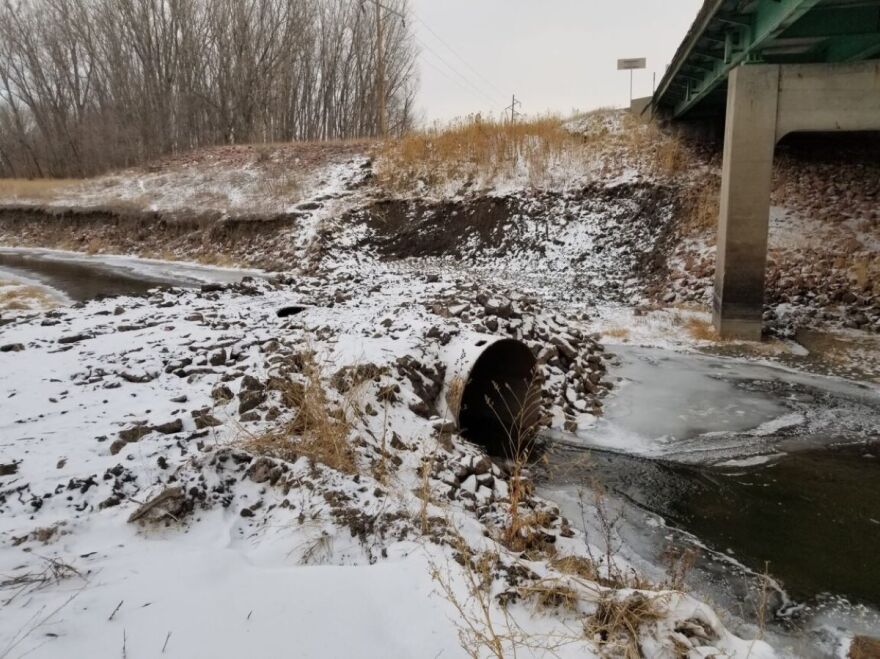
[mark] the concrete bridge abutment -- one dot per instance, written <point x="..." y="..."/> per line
<point x="765" y="102"/>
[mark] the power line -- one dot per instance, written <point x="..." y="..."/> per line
<point x="452" y="68"/>
<point x="451" y="79"/>
<point x="454" y="52"/>
<point x="464" y="82"/>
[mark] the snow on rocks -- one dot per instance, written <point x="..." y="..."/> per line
<point x="160" y="469"/>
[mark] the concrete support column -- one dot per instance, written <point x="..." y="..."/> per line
<point x="749" y="142"/>
<point x="765" y="102"/>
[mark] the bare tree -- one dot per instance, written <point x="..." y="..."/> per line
<point x="87" y="85"/>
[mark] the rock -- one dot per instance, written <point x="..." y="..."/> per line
<point x="8" y="469"/>
<point x="486" y="480"/>
<point x="547" y="354"/>
<point x="109" y="502"/>
<point x="218" y="358"/>
<point x="249" y="400"/>
<point x="498" y="307"/>
<point x="212" y="288"/>
<point x="222" y="393"/>
<point x="12" y="347"/>
<point x="134" y="433"/>
<point x="470" y="484"/>
<point x="170" y="428"/>
<point x="482" y="466"/>
<point x="250" y="383"/>
<point x="564" y="347"/>
<point x="250" y="416"/>
<point x="179" y="399"/>
<point x="74" y="338"/>
<point x="170" y="503"/>
<point x="260" y="470"/>
<point x="205" y="420"/>
<point x="445" y="427"/>
<point x="138" y="379"/>
<point x="422" y="409"/>
<point x="117" y="446"/>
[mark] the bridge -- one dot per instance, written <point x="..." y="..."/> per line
<point x="769" y="68"/>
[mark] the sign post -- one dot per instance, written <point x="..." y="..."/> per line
<point x="631" y="65"/>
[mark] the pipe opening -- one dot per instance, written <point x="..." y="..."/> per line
<point x="499" y="406"/>
<point x="293" y="310"/>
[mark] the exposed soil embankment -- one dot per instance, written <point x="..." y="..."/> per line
<point x="203" y="236"/>
<point x="597" y="239"/>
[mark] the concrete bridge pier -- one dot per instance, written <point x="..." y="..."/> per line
<point x="765" y="102"/>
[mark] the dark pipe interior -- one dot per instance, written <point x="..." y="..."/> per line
<point x="287" y="312"/>
<point x="499" y="403"/>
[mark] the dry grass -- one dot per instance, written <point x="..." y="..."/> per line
<point x="701" y="330"/>
<point x="552" y="594"/>
<point x="23" y="297"/>
<point x="521" y="419"/>
<point x="864" y="647"/>
<point x="621" y="333"/>
<point x="319" y="430"/>
<point x="865" y="272"/>
<point x="475" y="150"/>
<point x="699" y="206"/>
<point x="577" y="566"/>
<point x="44" y="189"/>
<point x="476" y="153"/>
<point x="616" y="623"/>
<point x="54" y="571"/>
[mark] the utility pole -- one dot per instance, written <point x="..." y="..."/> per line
<point x="512" y="108"/>
<point x="380" y="54"/>
<point x="381" y="108"/>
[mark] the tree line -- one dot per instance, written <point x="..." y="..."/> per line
<point x="88" y="85"/>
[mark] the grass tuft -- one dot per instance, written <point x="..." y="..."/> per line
<point x="616" y="623"/>
<point x="320" y="428"/>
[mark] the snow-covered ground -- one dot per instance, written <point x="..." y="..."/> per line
<point x="116" y="402"/>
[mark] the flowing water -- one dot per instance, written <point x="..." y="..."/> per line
<point x="80" y="277"/>
<point x="755" y="468"/>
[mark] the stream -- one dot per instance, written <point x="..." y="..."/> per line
<point x="80" y="277"/>
<point x="757" y="469"/>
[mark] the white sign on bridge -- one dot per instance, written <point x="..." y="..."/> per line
<point x="630" y="64"/>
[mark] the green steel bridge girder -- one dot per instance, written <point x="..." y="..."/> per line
<point x="837" y="33"/>
<point x="770" y="19"/>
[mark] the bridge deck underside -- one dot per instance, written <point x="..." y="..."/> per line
<point x="728" y="33"/>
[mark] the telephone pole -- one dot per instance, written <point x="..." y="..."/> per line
<point x="512" y="108"/>
<point x="380" y="54"/>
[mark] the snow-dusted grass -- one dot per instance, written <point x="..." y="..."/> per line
<point x="264" y="179"/>
<point x="488" y="156"/>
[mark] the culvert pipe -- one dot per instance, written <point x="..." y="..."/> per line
<point x="492" y="393"/>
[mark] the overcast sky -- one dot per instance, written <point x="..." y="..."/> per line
<point x="555" y="55"/>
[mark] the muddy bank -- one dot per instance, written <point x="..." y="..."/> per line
<point x="184" y="234"/>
